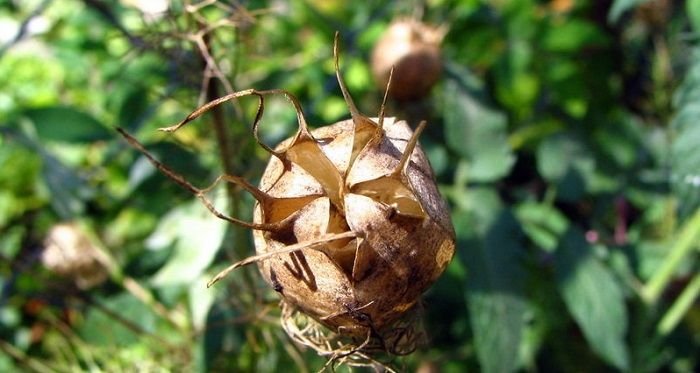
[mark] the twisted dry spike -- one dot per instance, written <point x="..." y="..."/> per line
<point x="354" y="113"/>
<point x="366" y="130"/>
<point x="210" y="105"/>
<point x="261" y="196"/>
<point x="386" y="94"/>
<point x="406" y="156"/>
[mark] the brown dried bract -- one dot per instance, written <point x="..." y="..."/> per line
<point x="349" y="226"/>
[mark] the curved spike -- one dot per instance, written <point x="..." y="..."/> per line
<point x="258" y="194"/>
<point x="201" y="193"/>
<point x="256" y="125"/>
<point x="177" y="178"/>
<point x="288" y="249"/>
<point x="386" y="94"/>
<point x="406" y="156"/>
<point x="206" y="107"/>
<point x="303" y="125"/>
<point x="354" y="113"/>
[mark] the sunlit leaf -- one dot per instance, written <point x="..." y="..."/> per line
<point x="572" y="35"/>
<point x="118" y="321"/>
<point x="543" y="224"/>
<point x="693" y="10"/>
<point x="685" y="152"/>
<point x="196" y="235"/>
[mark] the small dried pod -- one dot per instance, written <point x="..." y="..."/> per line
<point x="349" y="226"/>
<point x="68" y="252"/>
<point x="412" y="48"/>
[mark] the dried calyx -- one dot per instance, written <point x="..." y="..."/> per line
<point x="349" y="226"/>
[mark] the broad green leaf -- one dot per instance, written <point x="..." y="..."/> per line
<point x="11" y="240"/>
<point x="69" y="191"/>
<point x="111" y="324"/>
<point x="572" y="35"/>
<point x="201" y="300"/>
<point x="543" y="224"/>
<point x="196" y="235"/>
<point x="133" y="109"/>
<point x="495" y="294"/>
<point x="221" y="339"/>
<point x="19" y="179"/>
<point x="475" y="131"/>
<point x="593" y="297"/>
<point x="67" y="124"/>
<point x="516" y="84"/>
<point x="685" y="152"/>
<point x="564" y="160"/>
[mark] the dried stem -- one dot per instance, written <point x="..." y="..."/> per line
<point x="201" y="193"/>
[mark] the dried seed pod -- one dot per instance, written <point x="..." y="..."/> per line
<point x="68" y="252"/>
<point x="412" y="48"/>
<point x="349" y="226"/>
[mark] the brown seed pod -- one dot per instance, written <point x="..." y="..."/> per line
<point x="349" y="226"/>
<point x="68" y="252"/>
<point x="412" y="48"/>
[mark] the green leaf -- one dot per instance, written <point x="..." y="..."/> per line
<point x="593" y="297"/>
<point x="542" y="223"/>
<point x="475" y="131"/>
<point x="196" y="235"/>
<point x="692" y="8"/>
<point x="67" y="124"/>
<point x="219" y="344"/>
<point x="113" y="323"/>
<point x="564" y="160"/>
<point x="68" y="190"/>
<point x="572" y="35"/>
<point x="495" y="293"/>
<point x="133" y="108"/>
<point x="685" y="152"/>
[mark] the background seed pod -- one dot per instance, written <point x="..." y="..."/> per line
<point x="68" y="252"/>
<point x="413" y="49"/>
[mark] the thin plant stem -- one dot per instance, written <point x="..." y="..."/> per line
<point x="20" y="356"/>
<point x="687" y="240"/>
<point x="680" y="307"/>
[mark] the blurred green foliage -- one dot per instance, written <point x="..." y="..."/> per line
<point x="564" y="135"/>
